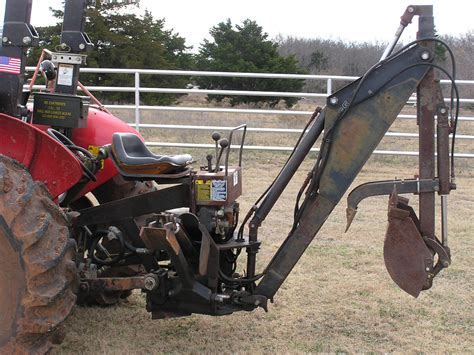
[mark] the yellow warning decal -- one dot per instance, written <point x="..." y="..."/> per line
<point x="203" y="190"/>
<point x="94" y="150"/>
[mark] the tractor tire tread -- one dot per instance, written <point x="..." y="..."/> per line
<point x="47" y="256"/>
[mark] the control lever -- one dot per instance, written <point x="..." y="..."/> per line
<point x="224" y="143"/>
<point x="209" y="162"/>
<point x="215" y="137"/>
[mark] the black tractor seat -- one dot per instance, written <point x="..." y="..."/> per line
<point x="134" y="160"/>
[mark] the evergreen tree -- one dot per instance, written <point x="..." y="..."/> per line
<point x="124" y="40"/>
<point x="246" y="48"/>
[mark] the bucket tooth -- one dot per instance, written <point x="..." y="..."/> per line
<point x="407" y="258"/>
<point x="350" y="214"/>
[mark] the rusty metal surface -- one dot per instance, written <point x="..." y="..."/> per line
<point x="165" y="239"/>
<point x="443" y="131"/>
<point x="426" y="109"/>
<point x="351" y="144"/>
<point x="111" y="284"/>
<point x="136" y="206"/>
<point x="408" y="260"/>
<point x="377" y="188"/>
<point x="209" y="258"/>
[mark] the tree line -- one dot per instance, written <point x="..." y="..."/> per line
<point x="125" y="40"/>
<point x="335" y="57"/>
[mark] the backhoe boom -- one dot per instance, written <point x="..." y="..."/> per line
<point x="356" y="119"/>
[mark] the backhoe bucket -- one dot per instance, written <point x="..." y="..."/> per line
<point x="407" y="258"/>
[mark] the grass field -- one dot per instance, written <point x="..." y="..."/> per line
<point x="338" y="299"/>
<point x="269" y="121"/>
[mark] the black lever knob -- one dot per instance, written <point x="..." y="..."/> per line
<point x="224" y="142"/>
<point x="216" y="136"/>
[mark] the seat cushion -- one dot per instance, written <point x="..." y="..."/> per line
<point x="132" y="157"/>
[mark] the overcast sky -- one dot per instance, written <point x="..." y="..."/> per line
<point x="360" y="20"/>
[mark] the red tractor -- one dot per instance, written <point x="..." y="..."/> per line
<point x="181" y="243"/>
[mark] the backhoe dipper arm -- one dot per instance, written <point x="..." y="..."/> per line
<point x="356" y="119"/>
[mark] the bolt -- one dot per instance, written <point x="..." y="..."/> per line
<point x="425" y="55"/>
<point x="370" y="92"/>
<point x="410" y="9"/>
<point x="4" y="39"/>
<point x="82" y="46"/>
<point x="26" y="40"/>
<point x="333" y="100"/>
<point x="445" y="263"/>
<point x="443" y="110"/>
<point x="150" y="283"/>
<point x="427" y="269"/>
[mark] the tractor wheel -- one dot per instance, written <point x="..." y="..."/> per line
<point x="116" y="189"/>
<point x="37" y="268"/>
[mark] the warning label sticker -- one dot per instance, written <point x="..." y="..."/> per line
<point x="219" y="190"/>
<point x="211" y="190"/>
<point x="65" y="74"/>
<point x="94" y="150"/>
<point x="203" y="190"/>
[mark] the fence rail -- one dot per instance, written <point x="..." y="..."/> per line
<point x="329" y="80"/>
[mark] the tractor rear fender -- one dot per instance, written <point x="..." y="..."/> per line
<point x="100" y="128"/>
<point x="47" y="160"/>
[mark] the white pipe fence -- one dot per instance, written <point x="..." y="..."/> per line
<point x="137" y="89"/>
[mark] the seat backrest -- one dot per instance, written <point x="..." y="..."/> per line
<point x="132" y="144"/>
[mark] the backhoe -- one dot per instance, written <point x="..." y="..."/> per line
<point x="172" y="231"/>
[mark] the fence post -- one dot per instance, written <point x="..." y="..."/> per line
<point x="329" y="87"/>
<point x="137" y="101"/>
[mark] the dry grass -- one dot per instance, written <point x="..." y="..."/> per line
<point x="339" y="298"/>
<point x="270" y="121"/>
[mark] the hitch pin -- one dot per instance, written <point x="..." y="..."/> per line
<point x="444" y="220"/>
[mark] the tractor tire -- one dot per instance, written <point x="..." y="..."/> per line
<point x="37" y="269"/>
<point x="116" y="189"/>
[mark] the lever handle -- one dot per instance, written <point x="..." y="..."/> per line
<point x="224" y="143"/>
<point x="209" y="162"/>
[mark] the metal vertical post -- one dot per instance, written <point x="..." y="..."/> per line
<point x="329" y="87"/>
<point x="137" y="101"/>
<point x="18" y="35"/>
<point x="426" y="105"/>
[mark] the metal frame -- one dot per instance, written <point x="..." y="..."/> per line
<point x="330" y="79"/>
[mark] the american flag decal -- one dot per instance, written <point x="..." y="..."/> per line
<point x="10" y="65"/>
